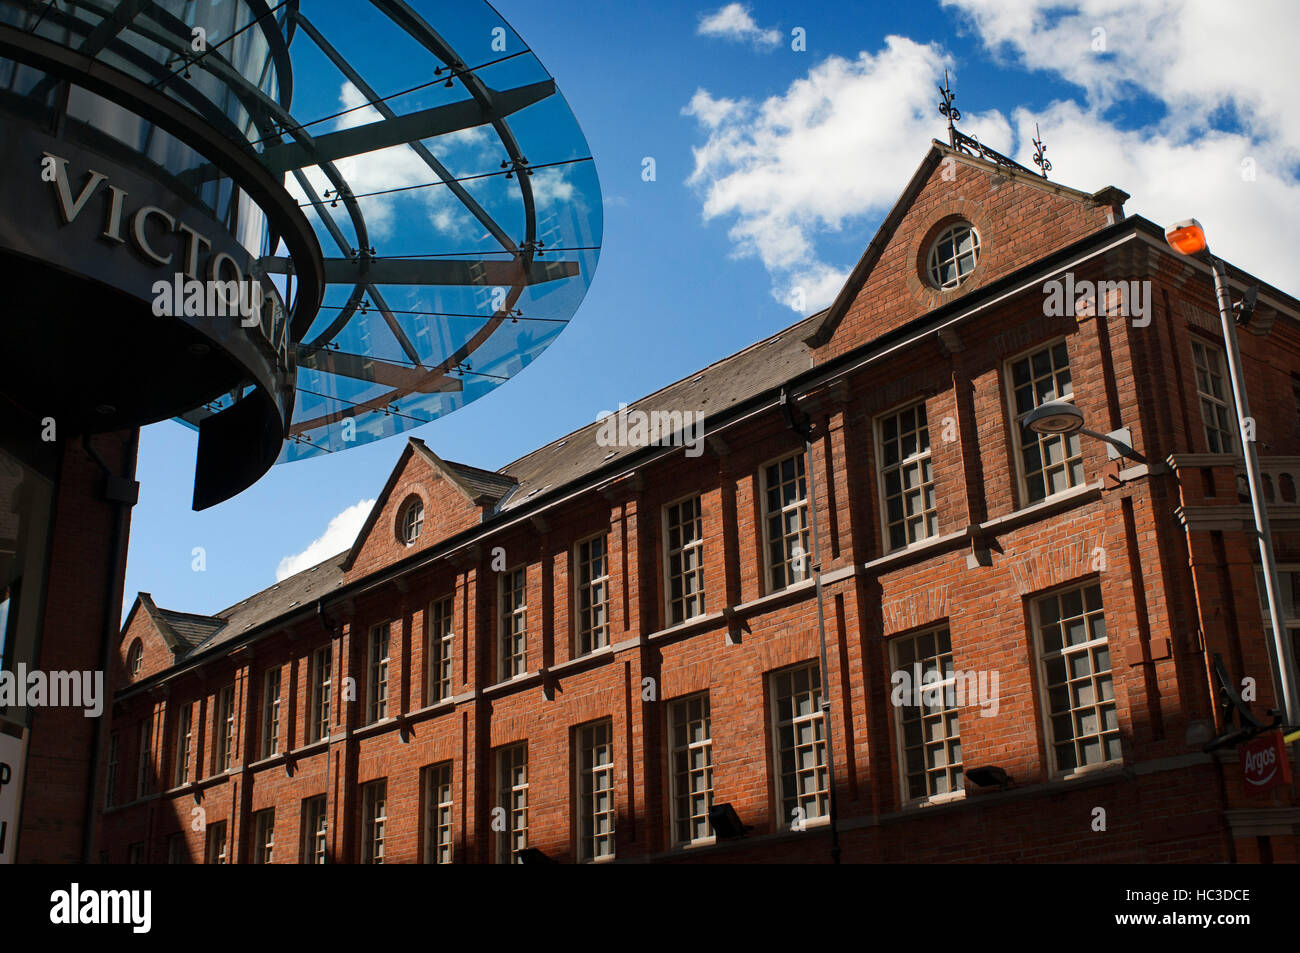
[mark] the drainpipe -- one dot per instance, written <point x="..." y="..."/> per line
<point x="802" y="425"/>
<point x="124" y="491"/>
<point x="331" y="776"/>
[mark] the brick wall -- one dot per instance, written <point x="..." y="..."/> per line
<point x="1174" y="590"/>
<point x="82" y="591"/>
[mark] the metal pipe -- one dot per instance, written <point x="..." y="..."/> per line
<point x="109" y="635"/>
<point x="805" y="430"/>
<point x="1285" y="658"/>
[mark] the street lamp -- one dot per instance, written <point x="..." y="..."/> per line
<point x="1188" y="238"/>
<point x="1062" y="417"/>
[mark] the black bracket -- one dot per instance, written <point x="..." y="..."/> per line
<point x="1248" y="726"/>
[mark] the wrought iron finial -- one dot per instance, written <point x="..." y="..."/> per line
<point x="948" y="110"/>
<point x="970" y="145"/>
<point x="1040" y="150"/>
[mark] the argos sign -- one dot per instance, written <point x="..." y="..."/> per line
<point x="1264" y="764"/>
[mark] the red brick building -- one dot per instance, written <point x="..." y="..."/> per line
<point x="64" y="528"/>
<point x="582" y="652"/>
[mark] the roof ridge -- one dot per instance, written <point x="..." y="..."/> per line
<point x="470" y="466"/>
<point x="697" y="373"/>
<point x="224" y="613"/>
<point x="193" y="615"/>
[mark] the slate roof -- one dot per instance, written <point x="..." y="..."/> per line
<point x="288" y="595"/>
<point x="712" y="390"/>
<point x="191" y="629"/>
<point x="483" y="483"/>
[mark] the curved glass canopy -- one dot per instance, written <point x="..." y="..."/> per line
<point x="455" y="256"/>
<point x="450" y="187"/>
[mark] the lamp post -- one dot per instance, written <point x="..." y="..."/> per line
<point x="1188" y="238"/>
<point x="1063" y="417"/>
<point x="1059" y="417"/>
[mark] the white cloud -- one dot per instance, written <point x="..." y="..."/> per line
<point x="339" y="535"/>
<point x="1218" y="71"/>
<point x="464" y="151"/>
<point x="1195" y="55"/>
<point x="734" y="22"/>
<point x="837" y="145"/>
<point x="712" y="112"/>
<point x="840" y="143"/>
<point x="1171" y="178"/>
<point x="552" y="186"/>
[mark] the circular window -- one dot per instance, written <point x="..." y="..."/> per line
<point x="412" y="521"/>
<point x="953" y="255"/>
<point x="135" y="658"/>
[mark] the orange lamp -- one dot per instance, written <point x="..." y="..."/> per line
<point x="1186" y="237"/>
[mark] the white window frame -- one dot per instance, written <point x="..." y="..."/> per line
<point x="1290" y="619"/>
<point x="790" y="559"/>
<point x="135" y="657"/>
<point x="918" y="459"/>
<point x="1043" y="440"/>
<point x="512" y="798"/>
<point x="226" y="734"/>
<point x="374" y="820"/>
<point x="439" y="810"/>
<point x="785" y="800"/>
<point x="378" y="658"/>
<point x="1227" y="434"/>
<point x="412" y="521"/>
<point x="589" y="739"/>
<point x="184" y="733"/>
<point x="439" y="649"/>
<point x="315" y="829"/>
<point x="695" y="549"/>
<point x="1044" y="688"/>
<point x="948" y="680"/>
<point x="512" y="664"/>
<point x="933" y="265"/>
<point x="264" y="836"/>
<point x="216" y="846"/>
<point x="322" y="680"/>
<point x="272" y="680"/>
<point x="587" y="638"/>
<point x="145" y="763"/>
<point x="680" y="716"/>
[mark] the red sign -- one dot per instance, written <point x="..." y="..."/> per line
<point x="1264" y="763"/>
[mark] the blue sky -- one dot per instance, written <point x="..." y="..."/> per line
<point x="773" y="169"/>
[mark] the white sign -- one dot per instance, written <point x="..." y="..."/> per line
<point x="13" y="752"/>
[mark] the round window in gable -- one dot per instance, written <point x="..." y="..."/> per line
<point x="412" y="521"/>
<point x="953" y="255"/>
<point x="135" y="658"/>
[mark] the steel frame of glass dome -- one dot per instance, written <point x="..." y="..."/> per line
<point x="171" y="101"/>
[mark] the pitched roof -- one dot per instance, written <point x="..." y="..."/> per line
<point x="717" y="387"/>
<point x="734" y="379"/>
<point x="191" y="630"/>
<point x="180" y="630"/>
<point x="821" y="332"/>
<point x="712" y="390"/>
<point x="478" y="486"/>
<point x="284" y="597"/>
<point x="483" y="484"/>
